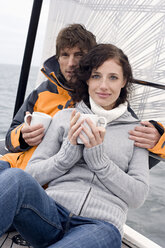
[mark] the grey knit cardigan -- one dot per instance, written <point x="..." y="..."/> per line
<point x="101" y="182"/>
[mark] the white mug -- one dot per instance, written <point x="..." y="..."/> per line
<point x="39" y="118"/>
<point x="99" y="121"/>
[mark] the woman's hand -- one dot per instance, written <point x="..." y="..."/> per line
<point x="75" y="127"/>
<point x="95" y="135"/>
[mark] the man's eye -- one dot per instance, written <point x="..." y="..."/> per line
<point x="64" y="54"/>
<point x="79" y="55"/>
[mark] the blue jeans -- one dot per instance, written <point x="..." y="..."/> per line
<point x="44" y="223"/>
<point x="4" y="165"/>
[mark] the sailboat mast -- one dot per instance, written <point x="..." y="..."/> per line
<point x="25" y="68"/>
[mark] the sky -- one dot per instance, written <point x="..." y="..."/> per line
<point x="14" y="22"/>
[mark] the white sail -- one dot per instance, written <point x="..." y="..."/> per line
<point x="136" y="26"/>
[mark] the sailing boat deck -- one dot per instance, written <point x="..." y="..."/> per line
<point x="132" y="239"/>
<point x="9" y="243"/>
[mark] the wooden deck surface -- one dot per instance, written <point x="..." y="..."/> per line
<point x="8" y="243"/>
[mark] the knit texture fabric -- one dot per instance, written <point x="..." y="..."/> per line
<point x="110" y="115"/>
<point x="101" y="182"/>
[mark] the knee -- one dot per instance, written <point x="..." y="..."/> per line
<point x="15" y="172"/>
<point x="12" y="182"/>
<point x="16" y="176"/>
<point x="4" y="165"/>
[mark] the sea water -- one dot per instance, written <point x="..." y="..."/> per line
<point x="9" y="78"/>
<point x="149" y="219"/>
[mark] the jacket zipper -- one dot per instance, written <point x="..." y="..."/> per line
<point x="86" y="195"/>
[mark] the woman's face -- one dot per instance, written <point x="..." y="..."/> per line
<point x="105" y="83"/>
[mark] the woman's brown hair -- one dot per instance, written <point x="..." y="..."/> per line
<point x="95" y="58"/>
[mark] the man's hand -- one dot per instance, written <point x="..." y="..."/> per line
<point x="32" y="135"/>
<point x="145" y="136"/>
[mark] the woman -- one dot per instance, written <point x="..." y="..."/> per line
<point x="91" y="186"/>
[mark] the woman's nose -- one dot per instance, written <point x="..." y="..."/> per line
<point x="103" y="83"/>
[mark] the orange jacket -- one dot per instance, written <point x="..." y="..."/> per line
<point x="50" y="97"/>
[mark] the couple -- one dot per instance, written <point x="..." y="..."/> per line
<point x="51" y="97"/>
<point x="91" y="186"/>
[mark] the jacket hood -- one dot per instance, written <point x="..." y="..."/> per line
<point x="126" y="118"/>
<point x="52" y="65"/>
<point x="51" y="70"/>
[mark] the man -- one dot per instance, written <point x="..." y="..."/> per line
<point x="51" y="96"/>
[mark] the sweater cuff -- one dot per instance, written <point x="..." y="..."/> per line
<point x="15" y="137"/>
<point x="69" y="154"/>
<point x="95" y="157"/>
<point x="23" y="145"/>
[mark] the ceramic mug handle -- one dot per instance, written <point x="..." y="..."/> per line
<point x="25" y="118"/>
<point x="102" y="121"/>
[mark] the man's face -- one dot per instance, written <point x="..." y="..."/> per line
<point x="69" y="60"/>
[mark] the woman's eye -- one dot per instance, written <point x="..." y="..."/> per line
<point x="113" y="77"/>
<point x="95" y="76"/>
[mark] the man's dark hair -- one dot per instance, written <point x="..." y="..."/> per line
<point x="75" y="35"/>
<point x="94" y="59"/>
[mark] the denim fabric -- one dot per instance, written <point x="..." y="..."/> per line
<point x="4" y="165"/>
<point x="44" y="223"/>
<point x="89" y="233"/>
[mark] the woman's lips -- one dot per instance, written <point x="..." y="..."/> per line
<point x="103" y="95"/>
